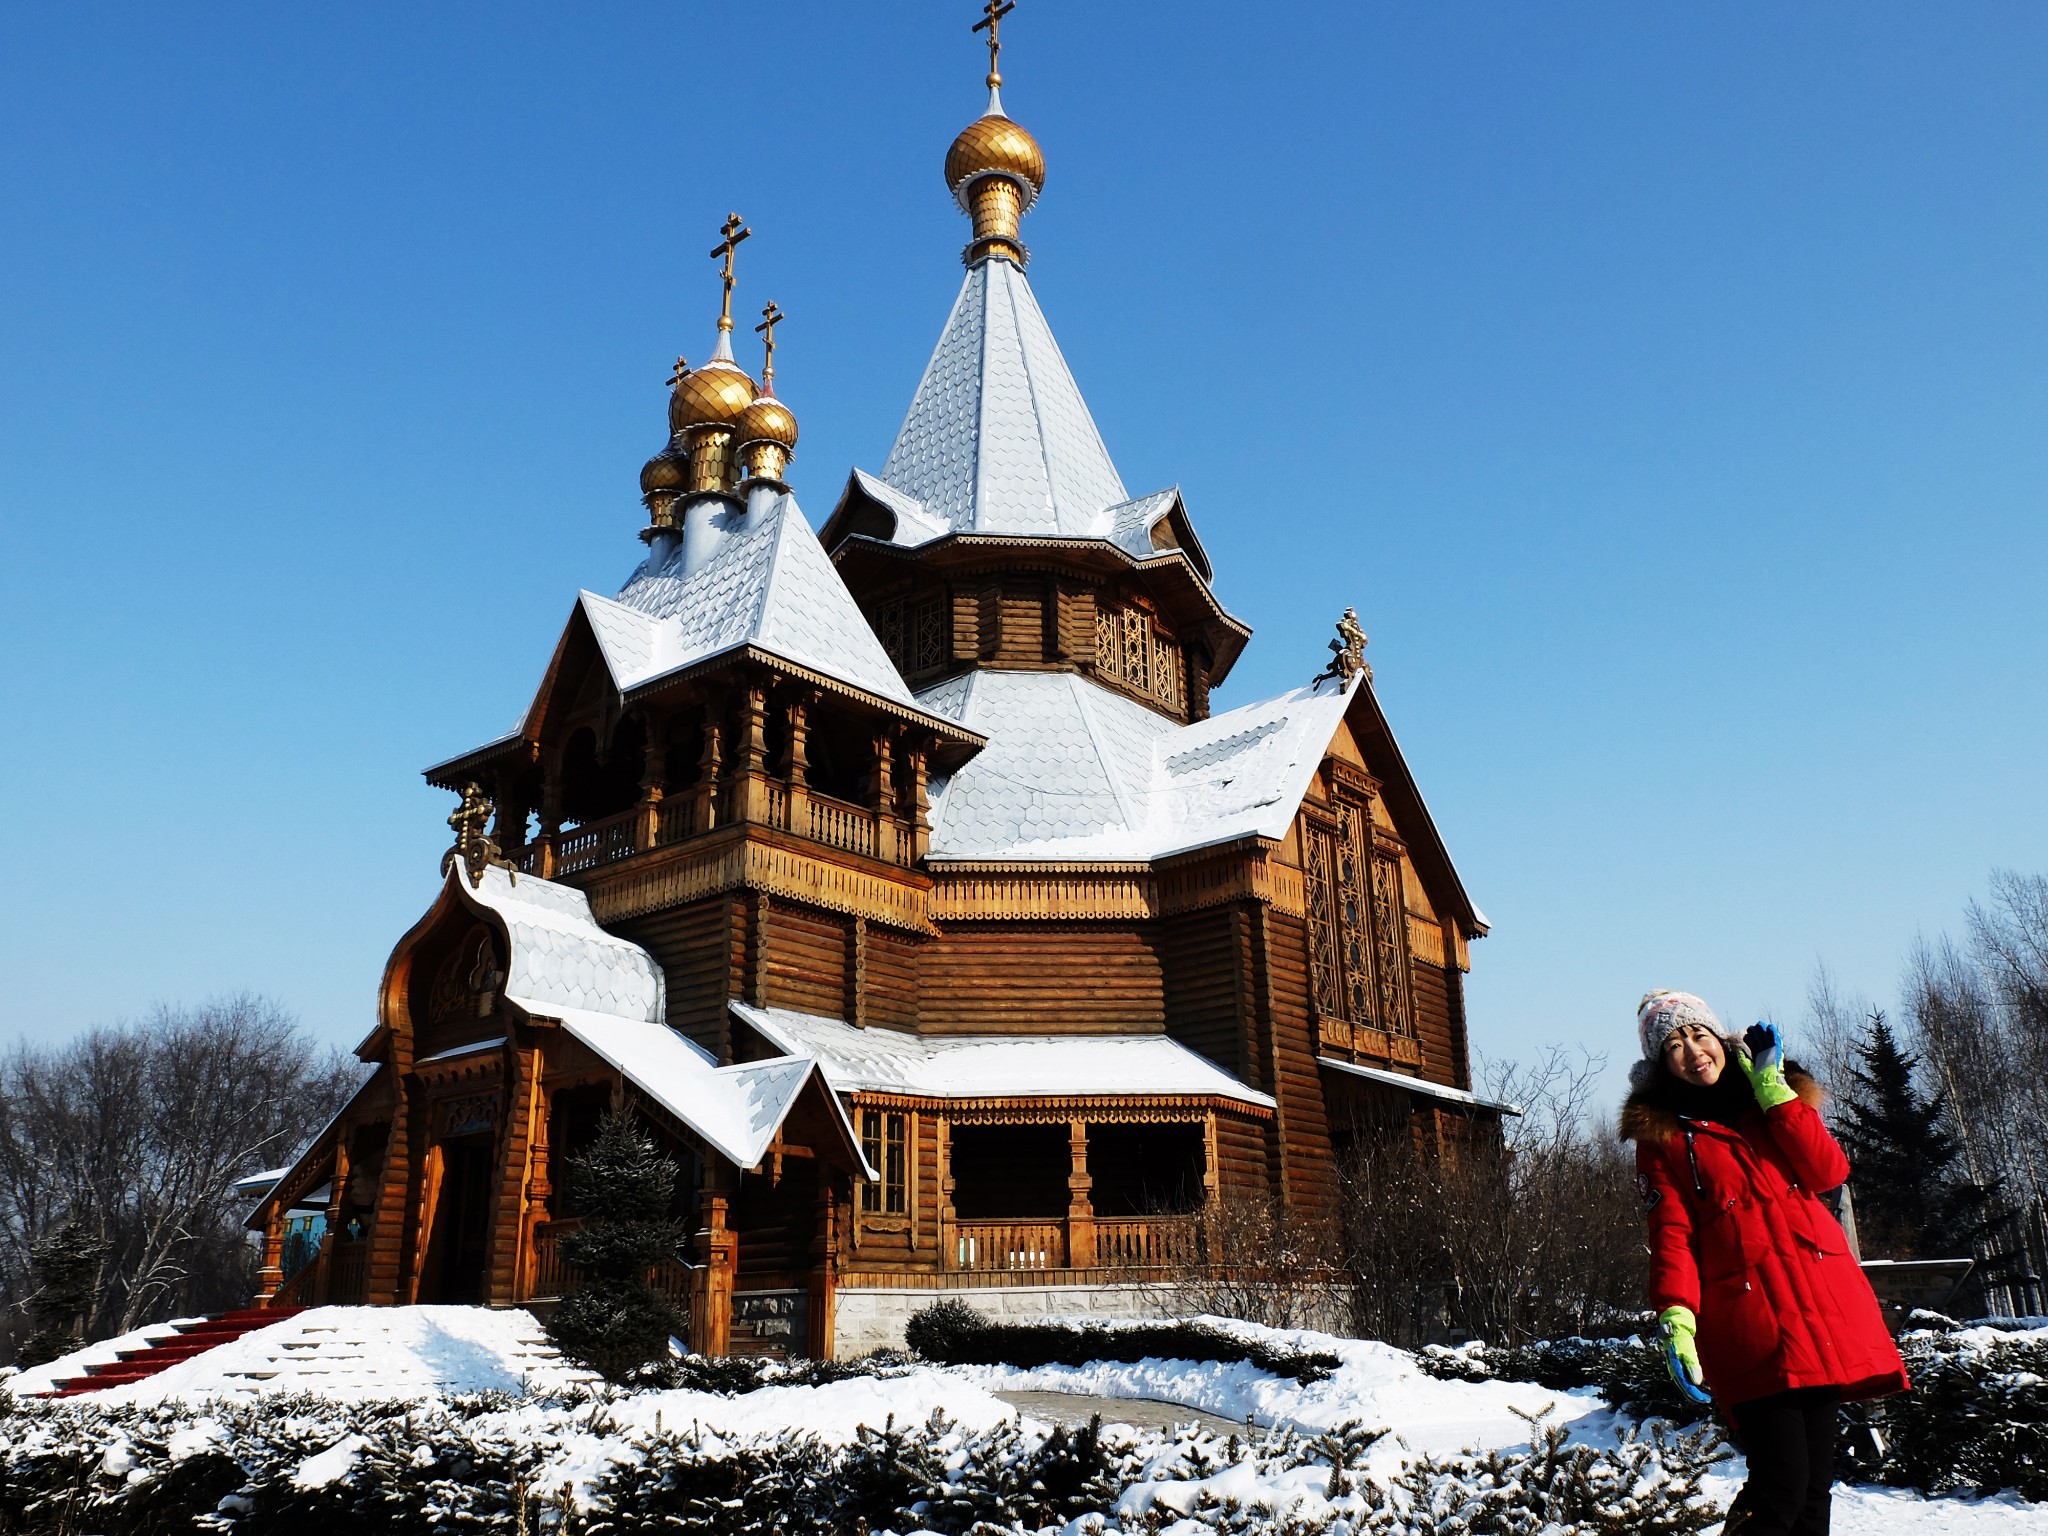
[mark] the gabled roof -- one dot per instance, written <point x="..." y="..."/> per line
<point x="743" y="577"/>
<point x="988" y="1066"/>
<point x="1075" y="771"/>
<point x="998" y="438"/>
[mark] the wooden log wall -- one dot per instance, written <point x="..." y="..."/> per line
<point x="1207" y="995"/>
<point x="1074" y="978"/>
<point x="691" y="944"/>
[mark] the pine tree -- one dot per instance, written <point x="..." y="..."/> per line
<point x="66" y="1268"/>
<point x="1914" y="1198"/>
<point x="618" y="1323"/>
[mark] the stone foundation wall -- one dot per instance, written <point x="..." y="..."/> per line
<point x="871" y="1318"/>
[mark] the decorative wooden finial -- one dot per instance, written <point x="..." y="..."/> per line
<point x="734" y="230"/>
<point x="472" y="845"/>
<point x="771" y="316"/>
<point x="1347" y="658"/>
<point x="991" y="22"/>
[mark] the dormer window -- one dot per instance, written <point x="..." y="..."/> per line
<point x="1132" y="650"/>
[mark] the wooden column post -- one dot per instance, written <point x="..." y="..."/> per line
<point x="510" y="827"/>
<point x="647" y="826"/>
<point x="710" y="763"/>
<point x="1080" y="1207"/>
<point x="920" y="807"/>
<point x="753" y="751"/>
<point x="949" y="1251"/>
<point x="539" y="1189"/>
<point x="718" y="1254"/>
<point x="796" y="762"/>
<point x="337" y="1188"/>
<point x="824" y="1278"/>
<point x="887" y="827"/>
<point x="271" y="1275"/>
<point x="550" y="820"/>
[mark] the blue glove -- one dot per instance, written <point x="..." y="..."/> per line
<point x="1764" y="1065"/>
<point x="1675" y="1326"/>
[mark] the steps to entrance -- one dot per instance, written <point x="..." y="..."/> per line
<point x="186" y="1341"/>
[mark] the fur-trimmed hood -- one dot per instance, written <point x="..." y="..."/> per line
<point x="1645" y="1117"/>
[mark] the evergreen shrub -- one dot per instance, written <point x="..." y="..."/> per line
<point x="950" y="1332"/>
<point x="1628" y="1372"/>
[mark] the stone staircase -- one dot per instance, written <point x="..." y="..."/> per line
<point x="131" y="1365"/>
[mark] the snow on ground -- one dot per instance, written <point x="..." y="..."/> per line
<point x="365" y="1353"/>
<point x="46" y="1378"/>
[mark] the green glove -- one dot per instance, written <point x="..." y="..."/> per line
<point x="1763" y="1063"/>
<point x="1681" y="1355"/>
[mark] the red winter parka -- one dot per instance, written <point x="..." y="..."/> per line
<point x="1737" y="1235"/>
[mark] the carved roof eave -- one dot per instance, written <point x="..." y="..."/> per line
<point x="957" y="743"/>
<point x="1055" y="1106"/>
<point x="1245" y="844"/>
<point x="1226" y="633"/>
<point x="950" y="732"/>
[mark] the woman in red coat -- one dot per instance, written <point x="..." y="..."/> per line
<point x="1758" y="1299"/>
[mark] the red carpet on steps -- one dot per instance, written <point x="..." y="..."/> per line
<point x="190" y="1339"/>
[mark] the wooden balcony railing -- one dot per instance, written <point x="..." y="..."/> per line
<point x="595" y="842"/>
<point x="554" y="1279"/>
<point x="349" y="1272"/>
<point x="676" y="818"/>
<point x="1148" y="1242"/>
<point x="1018" y="1245"/>
<point x="839" y="825"/>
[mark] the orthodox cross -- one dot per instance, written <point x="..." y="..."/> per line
<point x="472" y="846"/>
<point x="771" y="316"/>
<point x="992" y="15"/>
<point x="734" y="231"/>
<point x="680" y="371"/>
<point x="1347" y="658"/>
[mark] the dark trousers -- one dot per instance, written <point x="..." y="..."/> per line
<point x="1789" y="1439"/>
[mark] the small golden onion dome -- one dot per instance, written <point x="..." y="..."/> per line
<point x="767" y="420"/>
<point x="995" y="146"/>
<point x="712" y="396"/>
<point x="668" y="470"/>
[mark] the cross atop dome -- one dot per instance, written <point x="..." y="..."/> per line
<point x="995" y="169"/>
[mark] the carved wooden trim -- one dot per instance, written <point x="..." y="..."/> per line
<point x="753" y="862"/>
<point x="1098" y="1108"/>
<point x="1425" y="940"/>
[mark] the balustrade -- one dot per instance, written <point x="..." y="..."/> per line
<point x="676" y="819"/>
<point x="594" y="843"/>
<point x="1147" y="1242"/>
<point x="1010" y="1245"/>
<point x="554" y="1278"/>
<point x="839" y="825"/>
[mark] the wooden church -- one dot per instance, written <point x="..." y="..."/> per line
<point x="901" y="877"/>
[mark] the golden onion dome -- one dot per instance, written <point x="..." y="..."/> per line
<point x="994" y="146"/>
<point x="715" y="395"/>
<point x="668" y="470"/>
<point x="767" y="420"/>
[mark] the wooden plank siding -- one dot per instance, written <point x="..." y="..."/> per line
<point x="806" y="965"/>
<point x="1205" y="989"/>
<point x="1055" y="978"/>
<point x="692" y="946"/>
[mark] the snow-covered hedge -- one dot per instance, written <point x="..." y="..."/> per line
<point x="1976" y="1420"/>
<point x="595" y="1466"/>
<point x="952" y="1333"/>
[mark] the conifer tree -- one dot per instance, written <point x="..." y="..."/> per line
<point x="621" y="1185"/>
<point x="65" y="1267"/>
<point x="1914" y="1199"/>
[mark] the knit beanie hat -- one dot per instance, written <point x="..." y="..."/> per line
<point x="1659" y="1013"/>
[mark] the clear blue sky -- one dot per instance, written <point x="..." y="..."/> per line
<point x="1664" y="383"/>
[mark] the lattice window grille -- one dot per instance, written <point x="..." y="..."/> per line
<point x="913" y="632"/>
<point x="1322" y="925"/>
<point x="1131" y="650"/>
<point x="1358" y="942"/>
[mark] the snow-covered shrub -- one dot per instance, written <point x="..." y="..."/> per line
<point x="1628" y="1372"/>
<point x="1977" y="1417"/>
<point x="733" y="1375"/>
<point x="953" y="1333"/>
<point x="595" y="1466"/>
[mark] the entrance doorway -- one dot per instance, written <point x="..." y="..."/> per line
<point x="459" y="1247"/>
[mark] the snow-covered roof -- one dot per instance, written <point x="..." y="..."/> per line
<point x="560" y="958"/>
<point x="1417" y="1085"/>
<point x="754" y="576"/>
<point x="985" y="1066"/>
<point x="998" y="438"/>
<point x="1073" y="770"/>
<point x="736" y="1109"/>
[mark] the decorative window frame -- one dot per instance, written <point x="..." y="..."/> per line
<point x="914" y="628"/>
<point x="1133" y="652"/>
<point x="1360" y="967"/>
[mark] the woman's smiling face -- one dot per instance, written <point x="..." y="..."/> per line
<point x="1695" y="1055"/>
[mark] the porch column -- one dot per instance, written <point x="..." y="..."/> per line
<point x="1080" y="1208"/>
<point x="796" y="762"/>
<point x="647" y="825"/>
<point x="709" y="763"/>
<point x="718" y="1254"/>
<point x="920" y="807"/>
<point x="753" y="750"/>
<point x="884" y="798"/>
<point x="949" y="1248"/>
<point x="510" y="826"/>
<point x="550" y="819"/>
<point x="824" y="1281"/>
<point x="337" y="1188"/>
<point x="538" y="1190"/>
<point x="271" y="1275"/>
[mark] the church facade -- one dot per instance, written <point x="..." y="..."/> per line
<point x="902" y="879"/>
